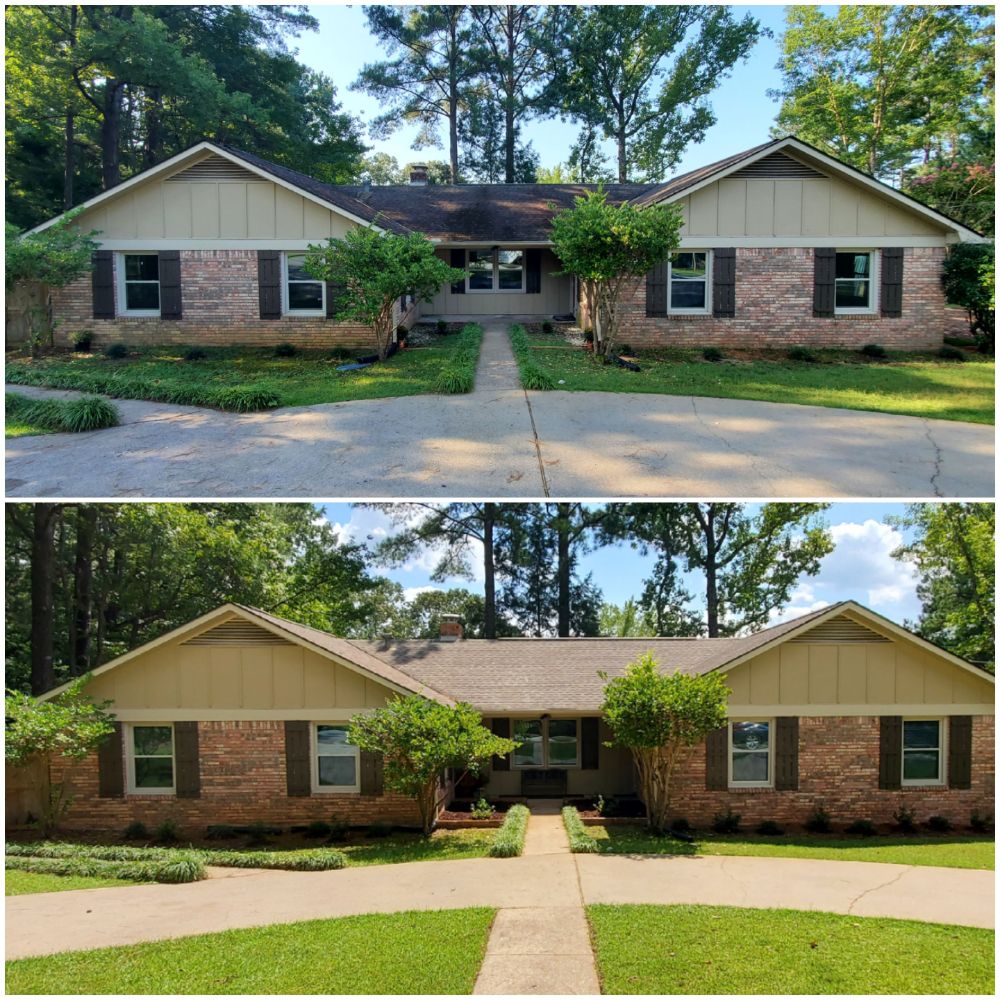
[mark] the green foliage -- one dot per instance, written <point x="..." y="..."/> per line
<point x="317" y="829"/>
<point x="657" y="717"/>
<point x="482" y="809"/>
<point x="73" y="415"/>
<point x="818" y="821"/>
<point x="313" y="860"/>
<point x="532" y="377"/>
<point x="580" y="842"/>
<point x="116" y="351"/>
<point x="180" y="868"/>
<point x="91" y="413"/>
<point x="949" y="353"/>
<point x="969" y="281"/>
<point x="609" y="248"/>
<point x="905" y="818"/>
<point x="727" y="822"/>
<point x="626" y="621"/>
<point x="195" y="354"/>
<point x="136" y="830"/>
<point x="247" y="399"/>
<point x="939" y="824"/>
<point x="508" y="841"/>
<point x="418" y="739"/>
<point x="875" y="351"/>
<point x="802" y="354"/>
<point x="371" y="269"/>
<point x="713" y="354"/>
<point x="285" y="351"/>
<point x="166" y="832"/>
<point x="379" y="830"/>
<point x="768" y="828"/>
<point x="980" y="822"/>
<point x="459" y="374"/>
<point x="221" y="831"/>
<point x="82" y="339"/>
<point x="55" y="257"/>
<point x="861" y="828"/>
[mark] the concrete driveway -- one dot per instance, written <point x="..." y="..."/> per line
<point x="501" y="441"/>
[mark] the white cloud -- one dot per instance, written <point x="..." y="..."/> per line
<point x="410" y="592"/>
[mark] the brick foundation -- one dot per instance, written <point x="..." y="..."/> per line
<point x="221" y="309"/>
<point x="774" y="305"/>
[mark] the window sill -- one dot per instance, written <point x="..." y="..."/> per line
<point x="336" y="791"/>
<point x="153" y="793"/>
<point x="145" y="314"/>
<point x="750" y="788"/>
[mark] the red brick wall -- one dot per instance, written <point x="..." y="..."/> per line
<point x="774" y="304"/>
<point x="221" y="309"/>
<point x="838" y="769"/>
<point x="242" y="781"/>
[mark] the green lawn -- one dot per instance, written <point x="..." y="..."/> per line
<point x="18" y="428"/>
<point x="944" y="852"/>
<point x="401" y="953"/>
<point x="442" y="845"/>
<point x="720" y="949"/>
<point x="918" y="385"/>
<point x="20" y="883"/>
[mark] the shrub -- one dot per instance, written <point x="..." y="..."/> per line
<point x="195" y="354"/>
<point x="875" y="351"/>
<point x="532" y="377"/>
<point x="949" y="353"/>
<point x="453" y="381"/>
<point x="91" y="413"/>
<point x="314" y="860"/>
<point x="980" y="822"/>
<point x="905" y="819"/>
<point x="802" y="354"/>
<point x="179" y="868"/>
<point x="316" y="829"/>
<point x="441" y="327"/>
<point x="378" y="830"/>
<point x="601" y="806"/>
<point x="625" y="349"/>
<point x="862" y="827"/>
<point x="247" y="398"/>
<point x="712" y="354"/>
<point x="116" y="351"/>
<point x="259" y="834"/>
<point x="285" y="351"/>
<point x="818" y="821"/>
<point x="481" y="810"/>
<point x="339" y="828"/>
<point x="221" y="831"/>
<point x="166" y="832"/>
<point x="508" y="841"/>
<point x="74" y="415"/>
<point x="580" y="842"/>
<point x="939" y="824"/>
<point x="588" y="336"/>
<point x="547" y="327"/>
<point x="968" y="277"/>
<point x="82" y="339"/>
<point x="680" y="825"/>
<point x="136" y="830"/>
<point x="770" y="829"/>
<point x="727" y="822"/>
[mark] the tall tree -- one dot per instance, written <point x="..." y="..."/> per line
<point x="613" y="73"/>
<point x="665" y="601"/>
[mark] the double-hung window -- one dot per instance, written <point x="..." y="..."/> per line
<point x="304" y="295"/>
<point x="494" y="270"/>
<point x="923" y="751"/>
<point x="546" y="743"/>
<point x="151" y="759"/>
<point x="854" y="281"/>
<point x="335" y="761"/>
<point x="688" y="282"/>
<point x="750" y="764"/>
<point x="139" y="284"/>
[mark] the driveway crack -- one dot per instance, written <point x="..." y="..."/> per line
<point x="538" y="446"/>
<point x="938" y="458"/>
<point x="875" y="888"/>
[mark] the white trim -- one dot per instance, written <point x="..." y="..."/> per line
<point x="843" y="711"/>
<point x="495" y="289"/>
<point x="317" y="788"/>
<point x="874" y="274"/>
<point x="546" y="764"/>
<point x="942" y="750"/>
<point x="226" y="714"/>
<point x="706" y="309"/>
<point x="130" y="756"/>
<point x="286" y="309"/>
<point x="769" y="783"/>
<point x="121" y="308"/>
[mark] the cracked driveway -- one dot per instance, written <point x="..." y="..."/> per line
<point x="500" y="441"/>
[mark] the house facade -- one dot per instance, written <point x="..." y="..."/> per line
<point x="242" y="717"/>
<point x="781" y="244"/>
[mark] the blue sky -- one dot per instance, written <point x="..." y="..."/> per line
<point x="744" y="111"/>
<point x="860" y="567"/>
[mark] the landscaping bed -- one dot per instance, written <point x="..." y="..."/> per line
<point x="25" y="416"/>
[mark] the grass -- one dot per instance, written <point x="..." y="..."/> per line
<point x="442" y="845"/>
<point x="580" y="842"/>
<point x="249" y="379"/>
<point x="26" y="416"/>
<point x="943" y="852"/>
<point x="728" y="950"/>
<point x="21" y="883"/>
<point x="183" y="867"/>
<point x="398" y="953"/>
<point x="508" y="841"/>
<point x="918" y="385"/>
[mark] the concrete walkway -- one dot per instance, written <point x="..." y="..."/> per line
<point x="504" y="442"/>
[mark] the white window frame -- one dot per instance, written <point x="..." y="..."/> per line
<point x="130" y="758"/>
<point x="873" y="284"/>
<point x="495" y="288"/>
<point x="706" y="310"/>
<point x="317" y="788"/>
<point x="770" y="755"/>
<point x="941" y="780"/>
<point x="546" y="763"/>
<point x="286" y="309"/>
<point x="123" y="309"/>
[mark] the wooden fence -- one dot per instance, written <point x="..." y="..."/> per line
<point x="26" y="788"/>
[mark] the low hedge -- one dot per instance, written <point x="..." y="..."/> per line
<point x="459" y="374"/>
<point x="580" y="842"/>
<point x="295" y="861"/>
<point x="508" y="841"/>
<point x="532" y="377"/>
<point x="72" y="415"/>
<point x="180" y="868"/>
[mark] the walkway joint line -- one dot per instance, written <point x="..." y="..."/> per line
<point x="538" y="447"/>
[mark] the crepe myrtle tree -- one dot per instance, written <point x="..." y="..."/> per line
<point x="418" y="739"/>
<point x="658" y="717"/>
<point x="609" y="248"/>
<point x="66" y="729"/>
<point x="370" y="269"/>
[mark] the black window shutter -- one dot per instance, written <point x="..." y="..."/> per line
<point x="170" y="284"/>
<point x="717" y="759"/>
<point x="333" y="293"/>
<point x="298" y="770"/>
<point x="187" y="762"/>
<point x="533" y="271"/>
<point x="960" y="751"/>
<point x="824" y="273"/>
<point x="786" y="753"/>
<point x="724" y="282"/>
<point x="458" y="260"/>
<point x="103" y="284"/>
<point x="269" y="283"/>
<point x="890" y="754"/>
<point x="501" y="727"/>
<point x="371" y="773"/>
<point x="590" y="744"/>
<point x="111" y="766"/>
<point x="656" y="290"/>
<point x="892" y="282"/>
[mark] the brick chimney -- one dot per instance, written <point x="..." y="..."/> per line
<point x="451" y="628"/>
<point x="418" y="174"/>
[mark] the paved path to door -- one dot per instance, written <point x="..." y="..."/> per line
<point x="504" y="442"/>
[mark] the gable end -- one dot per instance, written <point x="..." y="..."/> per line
<point x="237" y="632"/>
<point x="213" y="169"/>
<point x="776" y="165"/>
<point x="840" y="630"/>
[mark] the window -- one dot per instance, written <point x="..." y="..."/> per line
<point x="336" y="760"/>
<point x="510" y="270"/>
<point x="151" y="764"/>
<point x="854" y="282"/>
<point x="688" y="282"/>
<point x="750" y="753"/>
<point x="495" y="270"/>
<point x="546" y="743"/>
<point x="303" y="294"/>
<point x="480" y="268"/>
<point x="922" y="752"/>
<point x="139" y="284"/>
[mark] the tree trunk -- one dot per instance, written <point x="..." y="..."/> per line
<point x="563" y="567"/>
<point x="111" y="122"/>
<point x="153" y="146"/>
<point x="83" y="576"/>
<point x="489" y="573"/>
<point x="711" y="581"/>
<point x="454" y="56"/>
<point x="43" y="677"/>
<point x="69" y="132"/>
<point x="509" y="133"/>
<point x="622" y="159"/>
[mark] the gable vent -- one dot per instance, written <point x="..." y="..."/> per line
<point x="214" y="168"/>
<point x="840" y="629"/>
<point x="237" y="633"/>
<point x="776" y="165"/>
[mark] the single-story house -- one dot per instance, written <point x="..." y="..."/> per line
<point x="240" y="716"/>
<point x="781" y="244"/>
